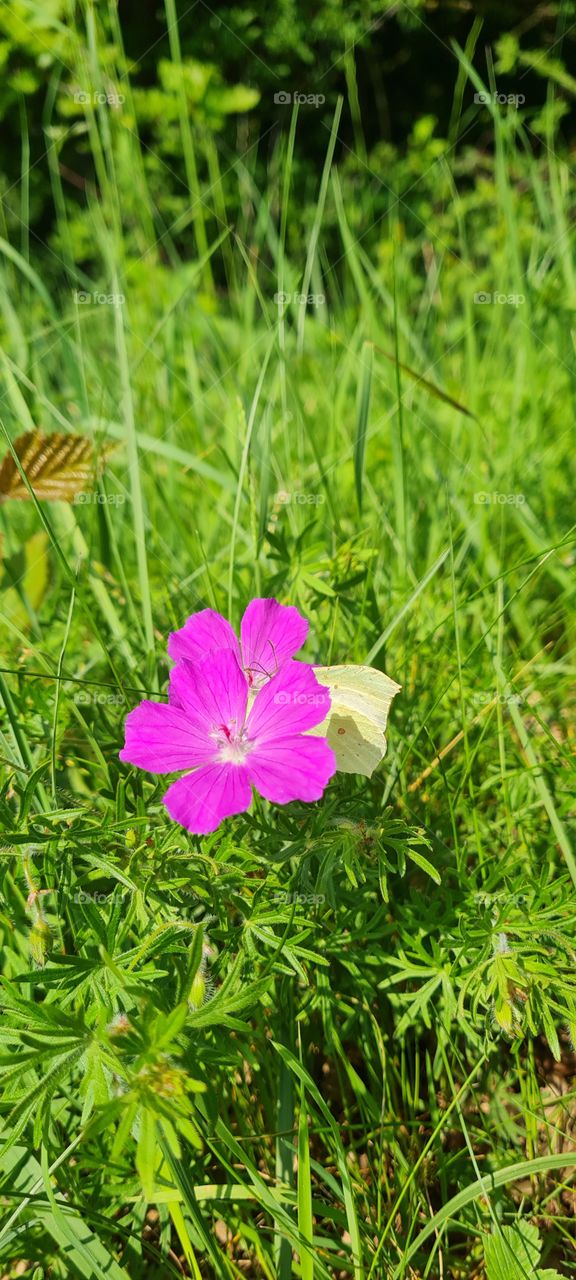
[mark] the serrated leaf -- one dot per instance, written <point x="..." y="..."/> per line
<point x="57" y="466"/>
<point x="504" y="1015"/>
<point x="513" y="1253"/>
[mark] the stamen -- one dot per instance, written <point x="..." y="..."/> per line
<point x="233" y="747"/>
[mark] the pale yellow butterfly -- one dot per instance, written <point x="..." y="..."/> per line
<point x="356" y="723"/>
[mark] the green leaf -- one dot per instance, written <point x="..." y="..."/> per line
<point x="512" y="1253"/>
<point x="147" y="1151"/>
<point x="224" y="100"/>
<point x="481" y="1187"/>
<point x="86" y="1254"/>
<point x="423" y="862"/>
<point x="16" y="604"/>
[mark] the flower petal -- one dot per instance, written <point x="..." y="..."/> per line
<point x="201" y="633"/>
<point x="211" y="693"/>
<point x="290" y="703"/>
<point x="270" y="633"/>
<point x="162" y="739"/>
<point x="295" y="768"/>
<point x="199" y="801"/>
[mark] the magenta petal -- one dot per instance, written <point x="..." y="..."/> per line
<point x="270" y="633"/>
<point x="162" y="739"/>
<point x="290" y="703"/>
<point x="211" y="693"/>
<point x="201" y="633"/>
<point x="296" y="768"/>
<point x="201" y="800"/>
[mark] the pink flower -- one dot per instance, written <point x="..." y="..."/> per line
<point x="226" y="749"/>
<point x="270" y="633"/>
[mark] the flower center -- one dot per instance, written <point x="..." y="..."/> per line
<point x="233" y="746"/>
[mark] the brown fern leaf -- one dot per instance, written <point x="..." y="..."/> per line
<point x="57" y="467"/>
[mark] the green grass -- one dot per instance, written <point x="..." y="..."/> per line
<point x="321" y="1042"/>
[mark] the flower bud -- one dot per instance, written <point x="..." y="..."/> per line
<point x="40" y="941"/>
<point x="197" y="990"/>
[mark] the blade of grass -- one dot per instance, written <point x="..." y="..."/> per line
<point x="305" y="1223"/>
<point x="315" y="233"/>
<point x="362" y="418"/>
<point x="242" y="470"/>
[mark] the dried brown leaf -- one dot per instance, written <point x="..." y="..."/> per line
<point x="57" y="466"/>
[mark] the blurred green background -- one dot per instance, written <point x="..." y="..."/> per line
<point x="225" y="64"/>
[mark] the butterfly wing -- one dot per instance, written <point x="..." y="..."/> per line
<point x="355" y="725"/>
